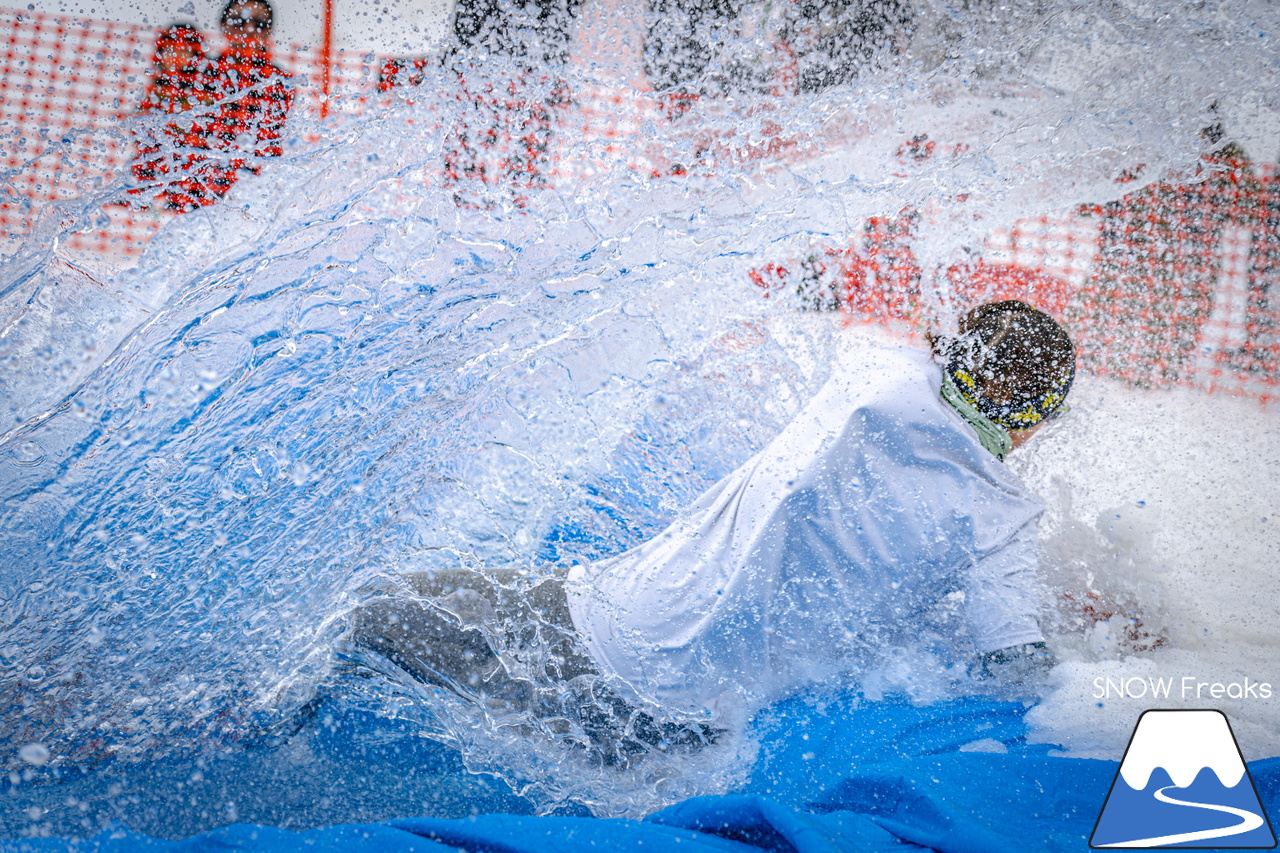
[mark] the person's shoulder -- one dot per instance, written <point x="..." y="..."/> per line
<point x="860" y="353"/>
<point x="897" y="387"/>
<point x="880" y="387"/>
<point x="887" y="372"/>
<point x="908" y="359"/>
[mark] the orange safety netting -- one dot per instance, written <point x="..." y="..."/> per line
<point x="1173" y="284"/>
<point x="65" y="85"/>
<point x="1170" y="285"/>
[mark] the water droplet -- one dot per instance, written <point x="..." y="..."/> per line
<point x="28" y="454"/>
<point x="35" y="754"/>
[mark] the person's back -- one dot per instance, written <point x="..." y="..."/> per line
<point x="823" y="551"/>
<point x="825" y="547"/>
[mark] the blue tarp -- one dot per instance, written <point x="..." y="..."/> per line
<point x="838" y="773"/>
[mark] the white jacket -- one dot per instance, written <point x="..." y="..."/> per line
<point x="876" y="501"/>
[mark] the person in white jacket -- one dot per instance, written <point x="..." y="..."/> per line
<point x="885" y="494"/>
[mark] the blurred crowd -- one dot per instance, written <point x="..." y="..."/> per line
<point x="215" y="116"/>
<point x="1160" y="250"/>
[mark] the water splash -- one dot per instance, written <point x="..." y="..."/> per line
<point x="342" y="375"/>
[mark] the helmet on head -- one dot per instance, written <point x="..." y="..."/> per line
<point x="1011" y="362"/>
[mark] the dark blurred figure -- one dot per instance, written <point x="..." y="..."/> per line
<point x="183" y="87"/>
<point x="533" y="33"/>
<point x="508" y="58"/>
<point x="833" y="42"/>
<point x="256" y="94"/>
<point x="718" y="47"/>
<point x="682" y="40"/>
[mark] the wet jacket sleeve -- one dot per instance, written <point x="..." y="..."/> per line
<point x="1003" y="593"/>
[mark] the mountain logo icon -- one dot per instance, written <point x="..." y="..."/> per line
<point x="1183" y="784"/>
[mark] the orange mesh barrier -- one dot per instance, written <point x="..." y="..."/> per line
<point x="1183" y="276"/>
<point x="62" y="85"/>
<point x="65" y="85"/>
<point x="1173" y="284"/>
<point x="1170" y="285"/>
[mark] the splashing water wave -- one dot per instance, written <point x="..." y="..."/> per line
<point x="341" y="376"/>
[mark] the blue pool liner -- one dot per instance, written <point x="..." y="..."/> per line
<point x="835" y="773"/>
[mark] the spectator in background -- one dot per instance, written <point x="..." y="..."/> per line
<point x="682" y="41"/>
<point x="239" y="105"/>
<point x="834" y="42"/>
<point x="255" y="94"/>
<point x="182" y="72"/>
<point x="720" y="47"/>
<point x="534" y="33"/>
<point x="182" y="87"/>
<point x="508" y="57"/>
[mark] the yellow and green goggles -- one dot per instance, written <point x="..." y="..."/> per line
<point x="1020" y="412"/>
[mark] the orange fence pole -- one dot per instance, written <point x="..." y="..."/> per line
<point x="326" y="57"/>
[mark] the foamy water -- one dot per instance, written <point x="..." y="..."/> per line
<point x="339" y="376"/>
<point x="1168" y="499"/>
